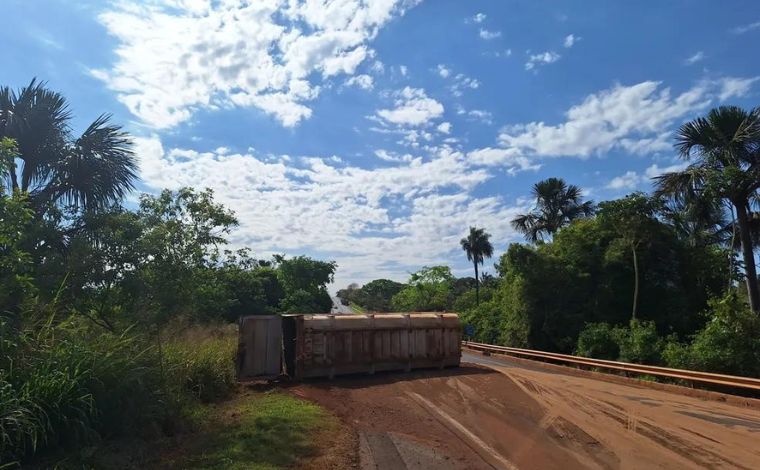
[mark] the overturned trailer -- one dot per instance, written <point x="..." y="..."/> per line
<point x="304" y="346"/>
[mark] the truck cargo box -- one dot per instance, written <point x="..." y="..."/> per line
<point x="329" y="345"/>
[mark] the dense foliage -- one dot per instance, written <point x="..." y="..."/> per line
<point x="639" y="279"/>
<point x="374" y="296"/>
<point x="100" y="303"/>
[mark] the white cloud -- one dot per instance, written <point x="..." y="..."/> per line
<point x="444" y="127"/>
<point x="630" y="180"/>
<point x="282" y="207"/>
<point x="476" y="114"/>
<point x="543" y="58"/>
<point x="697" y="57"/>
<point x="731" y="87"/>
<point x="462" y="82"/>
<point x="45" y="39"/>
<point x="392" y="157"/>
<point x="478" y="18"/>
<point x="635" y="118"/>
<point x="377" y="67"/>
<point x="571" y="40"/>
<point x="363" y="81"/>
<point x="654" y="170"/>
<point x="403" y="70"/>
<point x="509" y="158"/>
<point x="177" y="56"/>
<point x="498" y="54"/>
<point x="746" y="28"/>
<point x="412" y="107"/>
<point x="488" y="35"/>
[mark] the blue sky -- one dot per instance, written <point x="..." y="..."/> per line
<point x="375" y="132"/>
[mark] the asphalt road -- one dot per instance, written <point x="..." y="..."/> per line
<point x="340" y="309"/>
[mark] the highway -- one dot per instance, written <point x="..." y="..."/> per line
<point x="499" y="413"/>
<point x="338" y="308"/>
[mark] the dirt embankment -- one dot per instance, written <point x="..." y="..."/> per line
<point x="511" y="416"/>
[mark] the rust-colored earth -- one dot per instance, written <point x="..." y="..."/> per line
<point x="506" y="414"/>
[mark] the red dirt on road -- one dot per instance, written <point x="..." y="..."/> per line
<point x="509" y="415"/>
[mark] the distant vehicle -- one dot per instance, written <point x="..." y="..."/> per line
<point x="344" y="301"/>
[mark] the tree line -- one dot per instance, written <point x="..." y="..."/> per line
<point x="652" y="278"/>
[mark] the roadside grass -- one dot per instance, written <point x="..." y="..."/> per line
<point x="253" y="430"/>
<point x="211" y="422"/>
<point x="357" y="308"/>
<point x="257" y="430"/>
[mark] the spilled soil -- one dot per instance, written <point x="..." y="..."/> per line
<point x="503" y="414"/>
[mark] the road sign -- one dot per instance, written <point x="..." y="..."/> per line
<point x="469" y="330"/>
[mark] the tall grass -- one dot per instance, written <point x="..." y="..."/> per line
<point x="201" y="361"/>
<point x="69" y="383"/>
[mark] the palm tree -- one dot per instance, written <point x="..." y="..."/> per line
<point x="93" y="170"/>
<point x="724" y="148"/>
<point x="478" y="247"/>
<point x="557" y="204"/>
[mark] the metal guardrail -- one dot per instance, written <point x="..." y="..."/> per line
<point x="747" y="383"/>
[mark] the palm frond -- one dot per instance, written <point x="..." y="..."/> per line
<point x="477" y="245"/>
<point x="99" y="168"/>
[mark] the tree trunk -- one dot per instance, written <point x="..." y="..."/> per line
<point x="14" y="177"/>
<point x="635" y="281"/>
<point x="731" y="252"/>
<point x="750" y="271"/>
<point x="477" y="285"/>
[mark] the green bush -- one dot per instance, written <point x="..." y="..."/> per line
<point x="494" y="323"/>
<point x="598" y="340"/>
<point x="640" y="343"/>
<point x="466" y="300"/>
<point x="729" y="343"/>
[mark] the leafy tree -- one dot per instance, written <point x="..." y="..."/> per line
<point x="634" y="220"/>
<point x="183" y="231"/>
<point x="305" y="282"/>
<point x="586" y="275"/>
<point x="729" y="343"/>
<point x="478" y="247"/>
<point x="374" y="296"/>
<point x="427" y="289"/>
<point x="16" y="264"/>
<point x="352" y="293"/>
<point x="557" y="204"/>
<point x="724" y="151"/>
<point x="92" y="170"/>
<point x="103" y="265"/>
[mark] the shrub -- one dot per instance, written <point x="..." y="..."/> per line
<point x="494" y="324"/>
<point x="640" y="343"/>
<point x="729" y="343"/>
<point x="485" y="322"/>
<point x="598" y="340"/>
<point x="466" y="300"/>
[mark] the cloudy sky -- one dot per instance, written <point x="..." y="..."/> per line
<point x="374" y="132"/>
